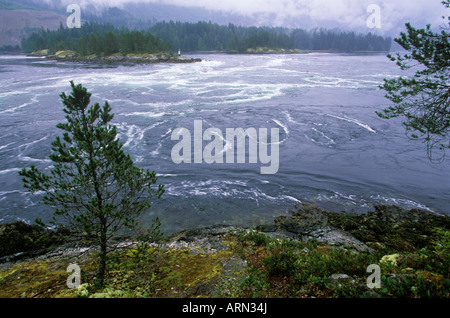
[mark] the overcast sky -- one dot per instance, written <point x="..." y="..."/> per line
<point x="343" y="13"/>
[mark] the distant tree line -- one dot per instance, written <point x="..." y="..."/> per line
<point x="9" y="49"/>
<point x="95" y="38"/>
<point x="337" y="40"/>
<point x="203" y="36"/>
<point x="63" y="38"/>
<point x="123" y="42"/>
<point x="105" y="39"/>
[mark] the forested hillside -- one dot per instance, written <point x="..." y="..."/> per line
<point x="94" y="38"/>
<point x="105" y="39"/>
<point x="203" y="36"/>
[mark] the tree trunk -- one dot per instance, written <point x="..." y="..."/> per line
<point x="103" y="254"/>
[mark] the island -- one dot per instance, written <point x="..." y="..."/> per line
<point x="102" y="43"/>
<point x="116" y="58"/>
<point x="105" y="43"/>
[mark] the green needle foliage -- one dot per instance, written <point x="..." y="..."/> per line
<point x="424" y="98"/>
<point x="93" y="185"/>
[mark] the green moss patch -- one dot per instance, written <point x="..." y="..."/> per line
<point x="223" y="261"/>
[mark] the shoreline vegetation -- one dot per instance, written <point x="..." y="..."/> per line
<point x="167" y="57"/>
<point x="105" y="40"/>
<point x="308" y="252"/>
<point x="135" y="58"/>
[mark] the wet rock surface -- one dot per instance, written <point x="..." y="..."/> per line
<point x="384" y="228"/>
<point x="315" y="252"/>
<point x="391" y="227"/>
<point x="310" y="222"/>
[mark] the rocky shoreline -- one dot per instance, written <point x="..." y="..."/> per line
<point x="387" y="227"/>
<point x="129" y="59"/>
<point x="388" y="231"/>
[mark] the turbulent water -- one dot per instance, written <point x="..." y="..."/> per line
<point x="333" y="149"/>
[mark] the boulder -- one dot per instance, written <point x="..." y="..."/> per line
<point x="310" y="222"/>
<point x="338" y="238"/>
<point x="20" y="240"/>
<point x="336" y="280"/>
<point x="304" y="220"/>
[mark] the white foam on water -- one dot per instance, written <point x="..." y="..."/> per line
<point x="157" y="151"/>
<point x="13" y="109"/>
<point x="146" y="114"/>
<point x="288" y="197"/>
<point x="338" y="197"/>
<point x="29" y="159"/>
<point x="6" y="146"/>
<point x="274" y="62"/>
<point x="34" y="142"/>
<point x="359" y="201"/>
<point x="355" y="121"/>
<point x="237" y="93"/>
<point x="12" y="57"/>
<point x="238" y="189"/>
<point x="285" y="128"/>
<point x="25" y="146"/>
<point x="330" y="141"/>
<point x="314" y="80"/>
<point x="168" y="104"/>
<point x="134" y="135"/>
<point x="11" y="170"/>
<point x="324" y="80"/>
<point x="237" y="182"/>
<point x="289" y="117"/>
<point x="165" y="175"/>
<point x="3" y="193"/>
<point x="12" y="93"/>
<point x="400" y="202"/>
<point x="123" y="101"/>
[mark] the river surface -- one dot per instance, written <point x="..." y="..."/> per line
<point x="334" y="151"/>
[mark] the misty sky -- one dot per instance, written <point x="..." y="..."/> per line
<point x="349" y="14"/>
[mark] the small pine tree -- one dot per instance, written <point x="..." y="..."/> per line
<point x="94" y="185"/>
<point x="423" y="99"/>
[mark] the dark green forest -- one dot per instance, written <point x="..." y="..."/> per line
<point x="203" y="36"/>
<point x="95" y="38"/>
<point x="105" y="39"/>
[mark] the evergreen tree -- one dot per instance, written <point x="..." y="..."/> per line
<point x="104" y="39"/>
<point x="94" y="185"/>
<point x="424" y="99"/>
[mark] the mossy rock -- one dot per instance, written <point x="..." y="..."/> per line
<point x="303" y="220"/>
<point x="391" y="228"/>
<point x="65" y="53"/>
<point x="17" y="237"/>
<point x="44" y="52"/>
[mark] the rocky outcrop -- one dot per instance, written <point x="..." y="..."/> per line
<point x="19" y="241"/>
<point x="387" y="228"/>
<point x="310" y="222"/>
<point x="391" y="228"/>
<point x="305" y="223"/>
<point x="122" y="59"/>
